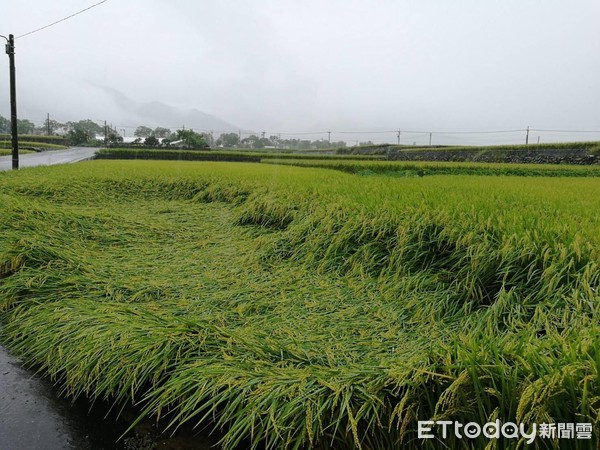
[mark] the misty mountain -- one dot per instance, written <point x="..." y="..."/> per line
<point x="156" y="113"/>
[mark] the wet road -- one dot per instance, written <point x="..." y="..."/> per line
<point x="48" y="158"/>
<point x="30" y="416"/>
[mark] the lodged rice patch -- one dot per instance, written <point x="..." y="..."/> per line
<point x="304" y="308"/>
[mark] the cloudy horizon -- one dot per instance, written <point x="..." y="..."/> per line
<point x="284" y="66"/>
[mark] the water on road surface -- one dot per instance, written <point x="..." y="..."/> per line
<point x="30" y="416"/>
<point x="34" y="417"/>
<point x="49" y="157"/>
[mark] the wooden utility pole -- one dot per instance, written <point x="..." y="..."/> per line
<point x="48" y="124"/>
<point x="527" y="136"/>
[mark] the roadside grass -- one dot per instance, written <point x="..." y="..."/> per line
<point x="26" y="146"/>
<point x="304" y="308"/>
<point x="4" y="152"/>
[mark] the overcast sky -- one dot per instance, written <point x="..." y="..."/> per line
<point x="303" y="65"/>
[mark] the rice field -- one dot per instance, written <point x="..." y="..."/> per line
<point x="295" y="307"/>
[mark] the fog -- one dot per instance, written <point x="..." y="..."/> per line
<point x="299" y="66"/>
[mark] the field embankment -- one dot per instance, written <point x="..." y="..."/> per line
<point x="6" y="152"/>
<point x="306" y="308"/>
<point x="29" y="147"/>
<point x="30" y="143"/>
<point x="216" y="155"/>
<point x="426" y="168"/>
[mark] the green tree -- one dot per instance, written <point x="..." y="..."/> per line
<point x="4" y="125"/>
<point x="52" y="124"/>
<point x="228" y="140"/>
<point x="250" y="141"/>
<point x="88" y="126"/>
<point x="78" y="136"/>
<point x="191" y="139"/>
<point x="143" y="131"/>
<point x="114" y="139"/>
<point x="25" y="126"/>
<point x="151" y="141"/>
<point x="161" y="132"/>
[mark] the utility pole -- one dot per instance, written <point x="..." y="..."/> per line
<point x="430" y="139"/>
<point x="329" y="138"/>
<point x="398" y="134"/>
<point x="527" y="136"/>
<point x="105" y="133"/>
<point x="10" y="51"/>
<point x="48" y="124"/>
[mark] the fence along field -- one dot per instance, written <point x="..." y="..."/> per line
<point x="306" y="308"/>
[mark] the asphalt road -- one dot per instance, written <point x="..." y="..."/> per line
<point x="48" y="158"/>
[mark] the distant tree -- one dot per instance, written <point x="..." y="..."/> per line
<point x="78" y="136"/>
<point x="25" y="126"/>
<point x="137" y="141"/>
<point x="161" y="132"/>
<point x="191" y="139"/>
<point x="51" y="126"/>
<point x="114" y="139"/>
<point x="250" y="141"/>
<point x="208" y="138"/>
<point x="304" y="145"/>
<point x="143" y="131"/>
<point x="228" y="140"/>
<point x="4" y="125"/>
<point x="90" y="127"/>
<point x="151" y="141"/>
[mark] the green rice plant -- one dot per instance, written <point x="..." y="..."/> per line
<point x="298" y="307"/>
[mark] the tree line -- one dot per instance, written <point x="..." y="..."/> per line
<point x="234" y="140"/>
<point x="88" y="132"/>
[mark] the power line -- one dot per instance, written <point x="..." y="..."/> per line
<point x="61" y="20"/>
<point x="566" y="131"/>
